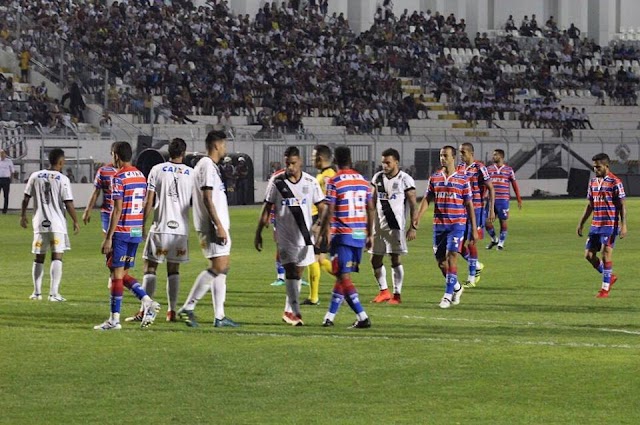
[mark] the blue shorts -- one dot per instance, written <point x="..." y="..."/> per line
<point x="447" y="240"/>
<point x="345" y="258"/>
<point x="501" y="207"/>
<point x="595" y="241"/>
<point x="123" y="255"/>
<point x="104" y="216"/>
<point x="480" y="220"/>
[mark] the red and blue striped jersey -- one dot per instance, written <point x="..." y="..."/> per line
<point x="502" y="178"/>
<point x="449" y="194"/>
<point x="604" y="195"/>
<point x="477" y="175"/>
<point x="130" y="185"/>
<point x="102" y="181"/>
<point x="349" y="193"/>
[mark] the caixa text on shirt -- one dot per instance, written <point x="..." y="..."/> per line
<point x="49" y="176"/>
<point x="293" y="202"/>
<point x="175" y="170"/>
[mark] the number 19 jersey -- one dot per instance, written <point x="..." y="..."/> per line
<point x="349" y="192"/>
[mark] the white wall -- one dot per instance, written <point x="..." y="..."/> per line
<point x="630" y="14"/>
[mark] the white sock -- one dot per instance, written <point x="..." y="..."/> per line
<point x="293" y="295"/>
<point x="219" y="294"/>
<point x="55" y="270"/>
<point x="149" y="283"/>
<point x="329" y="316"/>
<point x="381" y="277"/>
<point x="398" y="278"/>
<point x="173" y="286"/>
<point x="114" y="318"/>
<point x="457" y="286"/>
<point x="36" y="272"/>
<point x="198" y="290"/>
<point x="362" y="316"/>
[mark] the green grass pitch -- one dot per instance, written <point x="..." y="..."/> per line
<point x="530" y="345"/>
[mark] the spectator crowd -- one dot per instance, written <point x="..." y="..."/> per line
<point x="294" y="59"/>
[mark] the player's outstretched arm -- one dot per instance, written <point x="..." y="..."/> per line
<point x="23" y="211"/>
<point x="411" y="197"/>
<point x="149" y="201"/>
<point x="424" y="204"/>
<point x="587" y="212"/>
<point x="72" y="212"/>
<point x="472" y="216"/>
<point x="114" y="218"/>
<point x="263" y="221"/>
<point x="492" y="200"/>
<point x="86" y="215"/>
<point x="623" y="218"/>
<point x="516" y="189"/>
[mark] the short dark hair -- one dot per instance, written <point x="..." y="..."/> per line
<point x="451" y="148"/>
<point x="177" y="148"/>
<point x="323" y="151"/>
<point x="123" y="150"/>
<point x="55" y="155"/>
<point x="291" y="151"/>
<point x="499" y="152"/>
<point x="214" y="136"/>
<point x="391" y="152"/>
<point x="601" y="157"/>
<point x="469" y="146"/>
<point x="342" y="156"/>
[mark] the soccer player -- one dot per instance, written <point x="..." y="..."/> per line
<point x="392" y="188"/>
<point x="450" y="191"/>
<point x="291" y="193"/>
<point x="51" y="193"/>
<point x="211" y="221"/>
<point x="479" y="181"/>
<point x="322" y="161"/>
<point x="101" y="183"/>
<point x="128" y="190"/>
<point x="170" y="186"/>
<point x="606" y="201"/>
<point x="501" y="175"/>
<point x="350" y="214"/>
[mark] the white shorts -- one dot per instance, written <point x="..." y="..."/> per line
<point x="301" y="256"/>
<point x="59" y="242"/>
<point x="161" y="247"/>
<point x="389" y="242"/>
<point x="210" y="248"/>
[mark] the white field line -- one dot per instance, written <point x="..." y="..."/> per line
<point x="515" y="324"/>
<point x="493" y="342"/>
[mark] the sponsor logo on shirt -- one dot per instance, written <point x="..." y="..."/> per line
<point x="173" y="224"/>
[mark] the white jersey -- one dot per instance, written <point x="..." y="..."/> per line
<point x="391" y="199"/>
<point x="49" y="189"/>
<point x="173" y="187"/>
<point x="292" y="203"/>
<point x="207" y="175"/>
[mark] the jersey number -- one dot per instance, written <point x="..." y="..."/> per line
<point x="357" y="203"/>
<point x="137" y="201"/>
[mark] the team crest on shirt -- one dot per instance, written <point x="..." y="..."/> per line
<point x="305" y="190"/>
<point x="394" y="186"/>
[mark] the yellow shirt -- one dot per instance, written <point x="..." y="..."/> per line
<point x="323" y="177"/>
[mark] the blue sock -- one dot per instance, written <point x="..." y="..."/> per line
<point x="503" y="236"/>
<point x="137" y="290"/>
<point x="473" y="264"/>
<point x="336" y="301"/>
<point x="279" y="268"/>
<point x="355" y="303"/>
<point x="492" y="233"/>
<point x="600" y="267"/>
<point x="116" y="303"/>
<point x="452" y="278"/>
